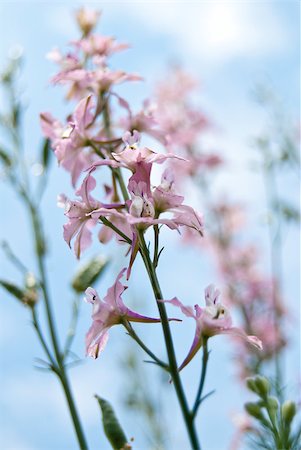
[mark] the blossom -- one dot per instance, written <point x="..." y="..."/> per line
<point x="81" y="221"/>
<point x="212" y="320"/>
<point x="108" y="312"/>
<point x="132" y="155"/>
<point x="69" y="142"/>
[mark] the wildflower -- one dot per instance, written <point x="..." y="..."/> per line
<point x="108" y="312"/>
<point x="81" y="221"/>
<point x="212" y="320"/>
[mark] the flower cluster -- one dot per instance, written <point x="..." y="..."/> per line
<point x="92" y="141"/>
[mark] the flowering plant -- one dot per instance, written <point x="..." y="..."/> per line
<point x="127" y="192"/>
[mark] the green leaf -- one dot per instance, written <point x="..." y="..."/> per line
<point x="46" y="152"/>
<point x="89" y="273"/>
<point x="5" y="158"/>
<point x="13" y="290"/>
<point x="111" y="426"/>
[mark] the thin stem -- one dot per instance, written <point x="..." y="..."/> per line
<point x="133" y="335"/>
<point x="39" y="240"/>
<point x="42" y="339"/>
<point x="198" y="399"/>
<point x="156" y="246"/>
<point x="50" y="320"/>
<point x="173" y="367"/>
<point x="275" y="237"/>
<point x="109" y="224"/>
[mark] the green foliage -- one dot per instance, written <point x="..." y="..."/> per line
<point x="111" y="426"/>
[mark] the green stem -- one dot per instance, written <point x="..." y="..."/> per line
<point x="156" y="246"/>
<point x="173" y="367"/>
<point x="109" y="224"/>
<point x="42" y="339"/>
<point x="133" y="335"/>
<point x="275" y="237"/>
<point x="50" y="320"/>
<point x="198" y="399"/>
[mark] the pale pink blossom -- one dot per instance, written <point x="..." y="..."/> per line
<point x="212" y="320"/>
<point x="109" y="312"/>
<point x="79" y="212"/>
<point x="71" y="143"/>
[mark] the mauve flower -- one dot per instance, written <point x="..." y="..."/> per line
<point x="69" y="143"/>
<point x="212" y="320"/>
<point x="79" y="213"/>
<point x="133" y="154"/>
<point x="108" y="312"/>
<point x="95" y="44"/>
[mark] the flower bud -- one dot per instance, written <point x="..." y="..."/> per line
<point x="288" y="411"/>
<point x="254" y="410"/>
<point x="262" y="385"/>
<point x="87" y="20"/>
<point x="273" y="403"/>
<point x="251" y="384"/>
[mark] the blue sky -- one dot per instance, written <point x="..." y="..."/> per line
<point x="229" y="46"/>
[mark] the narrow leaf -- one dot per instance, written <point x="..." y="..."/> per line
<point x="46" y="151"/>
<point x="13" y="289"/>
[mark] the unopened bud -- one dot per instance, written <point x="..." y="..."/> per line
<point x="262" y="385"/>
<point x="87" y="19"/>
<point x="251" y="384"/>
<point x="254" y="410"/>
<point x="288" y="411"/>
<point x="273" y="403"/>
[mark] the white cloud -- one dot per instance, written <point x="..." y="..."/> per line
<point x="216" y="31"/>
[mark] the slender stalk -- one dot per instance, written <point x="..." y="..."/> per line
<point x="134" y="336"/>
<point x="198" y="399"/>
<point x="23" y="188"/>
<point x="156" y="246"/>
<point x="150" y="268"/>
<point x="50" y="320"/>
<point x="275" y="237"/>
<point x="42" y="339"/>
<point x="173" y="366"/>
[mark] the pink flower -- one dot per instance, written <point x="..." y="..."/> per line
<point x="144" y="121"/>
<point x="99" y="45"/>
<point x="69" y="143"/>
<point x="81" y="221"/>
<point x="133" y="154"/>
<point x="108" y="312"/>
<point x="212" y="320"/>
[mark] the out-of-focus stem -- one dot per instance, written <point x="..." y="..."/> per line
<point x="57" y="363"/>
<point x="275" y="236"/>
<point x="61" y="372"/>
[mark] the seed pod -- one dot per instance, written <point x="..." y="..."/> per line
<point x="88" y="273"/>
<point x="112" y="427"/>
